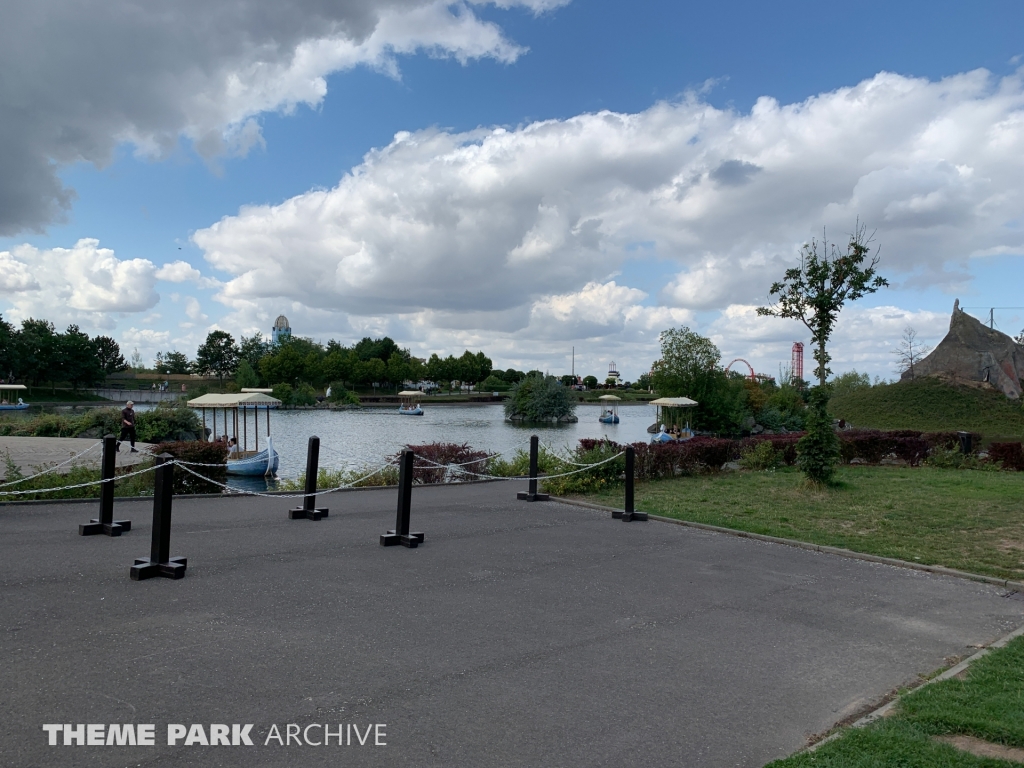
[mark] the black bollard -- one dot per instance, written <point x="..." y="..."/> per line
<point x="630" y="514"/>
<point x="965" y="442"/>
<point x="105" y="523"/>
<point x="159" y="562"/>
<point x="308" y="510"/>
<point x="401" y="534"/>
<point x="532" y="494"/>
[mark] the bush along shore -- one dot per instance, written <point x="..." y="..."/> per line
<point x="166" y="422"/>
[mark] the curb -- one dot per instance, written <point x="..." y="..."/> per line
<point x="848" y="553"/>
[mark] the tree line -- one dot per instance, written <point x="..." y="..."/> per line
<point x="36" y="353"/>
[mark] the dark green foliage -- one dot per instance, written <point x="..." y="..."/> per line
<point x="341" y="396"/>
<point x="168" y="422"/>
<point x="818" y="450"/>
<point x="173" y="362"/>
<point x="283" y="392"/>
<point x="108" y="354"/>
<point x="1010" y="455"/>
<point x="304" y="395"/>
<point x="217" y="356"/>
<point x="929" y="404"/>
<point x="200" y="452"/>
<point x="245" y="376"/>
<point x="540" y="398"/>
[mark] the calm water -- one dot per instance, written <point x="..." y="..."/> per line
<point x="367" y="436"/>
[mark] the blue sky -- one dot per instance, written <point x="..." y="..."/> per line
<point x="593" y="220"/>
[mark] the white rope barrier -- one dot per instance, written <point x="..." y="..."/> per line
<point x="585" y="467"/>
<point x="53" y="468"/>
<point x="82" y="485"/>
<point x="244" y="492"/>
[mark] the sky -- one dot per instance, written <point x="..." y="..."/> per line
<point x="535" y="178"/>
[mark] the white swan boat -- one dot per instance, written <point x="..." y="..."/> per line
<point x="235" y="409"/>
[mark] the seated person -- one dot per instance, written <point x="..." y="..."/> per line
<point x="232" y="447"/>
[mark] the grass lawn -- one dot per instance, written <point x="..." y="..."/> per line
<point x="987" y="704"/>
<point x="970" y="520"/>
<point x="931" y="405"/>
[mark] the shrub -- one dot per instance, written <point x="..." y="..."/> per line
<point x="817" y="452"/>
<point x="168" y="422"/>
<point x="283" y="392"/>
<point x="304" y="395"/>
<point x="359" y="477"/>
<point x="760" y="456"/>
<point x="428" y="456"/>
<point x="1011" y="455"/>
<point x="540" y="398"/>
<point x="137" y="485"/>
<point x="341" y="396"/>
<point x="201" y="452"/>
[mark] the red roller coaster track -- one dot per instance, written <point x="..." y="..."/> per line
<point x="753" y="376"/>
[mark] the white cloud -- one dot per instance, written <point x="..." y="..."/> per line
<point x="194" y="310"/>
<point x="178" y="272"/>
<point x="84" y="283"/>
<point x="86" y="76"/>
<point x="512" y="234"/>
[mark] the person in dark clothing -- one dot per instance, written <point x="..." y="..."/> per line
<point x="128" y="426"/>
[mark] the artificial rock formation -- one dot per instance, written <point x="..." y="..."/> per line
<point x="973" y="353"/>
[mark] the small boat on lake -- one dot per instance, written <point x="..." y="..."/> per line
<point x="669" y="412"/>
<point x="241" y="460"/>
<point x="610" y="411"/>
<point x="409" y="406"/>
<point x="6" y="404"/>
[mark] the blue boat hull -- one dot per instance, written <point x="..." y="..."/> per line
<point x="263" y="463"/>
<point x="17" y="407"/>
<point x="410" y="411"/>
<point x="608" y="419"/>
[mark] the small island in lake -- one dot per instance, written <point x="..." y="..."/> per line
<point x="540" y="399"/>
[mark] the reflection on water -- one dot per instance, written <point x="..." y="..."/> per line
<point x="356" y="438"/>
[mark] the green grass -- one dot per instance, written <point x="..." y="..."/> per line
<point x="930" y="405"/>
<point x="988" y="704"/>
<point x="960" y="519"/>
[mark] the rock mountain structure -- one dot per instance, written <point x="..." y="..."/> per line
<point x="976" y="355"/>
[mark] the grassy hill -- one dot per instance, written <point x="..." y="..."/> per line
<point x="930" y="405"/>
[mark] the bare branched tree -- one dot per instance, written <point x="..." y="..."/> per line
<point x="909" y="352"/>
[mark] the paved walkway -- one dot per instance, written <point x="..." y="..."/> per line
<point x="31" y="452"/>
<point x="517" y="635"/>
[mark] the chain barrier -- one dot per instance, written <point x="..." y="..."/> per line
<point x="53" y="468"/>
<point x="82" y="485"/>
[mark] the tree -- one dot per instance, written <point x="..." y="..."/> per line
<point x="1019" y="338"/>
<point x="909" y="352"/>
<point x="108" y="354"/>
<point x="172" y="362"/>
<point x="245" y="376"/>
<point x="397" y="370"/>
<point x="539" y="398"/>
<point x="253" y="348"/>
<point x="590" y="382"/>
<point x="136" y="364"/>
<point x="643" y="381"/>
<point x="814" y="293"/>
<point x="217" y="356"/>
<point x="37" y="350"/>
<point x="76" y="358"/>
<point x="567" y="380"/>
<point x="8" y="349"/>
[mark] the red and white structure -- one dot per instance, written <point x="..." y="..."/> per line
<point x="796" y="364"/>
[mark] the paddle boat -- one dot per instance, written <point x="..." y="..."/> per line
<point x="6" y="404"/>
<point x="610" y="412"/>
<point x="668" y="409"/>
<point x="409" y="406"/>
<point x="242" y="461"/>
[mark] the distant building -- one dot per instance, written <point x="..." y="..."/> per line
<point x="281" y="330"/>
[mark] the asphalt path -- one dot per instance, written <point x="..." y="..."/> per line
<point x="518" y="634"/>
<point x="28" y="453"/>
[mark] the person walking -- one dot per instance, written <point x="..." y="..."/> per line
<point x="128" y="426"/>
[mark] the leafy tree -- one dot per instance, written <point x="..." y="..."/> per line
<point x="245" y="376"/>
<point x="381" y="349"/>
<point x="253" y="349"/>
<point x="76" y="358"/>
<point x="338" y="364"/>
<point x="814" y="293"/>
<point x="173" y="362"/>
<point x="218" y="355"/>
<point x="37" y="350"/>
<point x="909" y="352"/>
<point x="644" y="381"/>
<point x="397" y="370"/>
<point x="8" y="348"/>
<point x="108" y="355"/>
<point x="539" y="398"/>
<point x="567" y="380"/>
<point x="285" y="364"/>
<point x="849" y="382"/>
<point x="341" y="396"/>
<point x="590" y="382"/>
<point x="511" y="376"/>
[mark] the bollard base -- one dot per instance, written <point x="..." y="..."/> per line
<point x="617" y="514"/>
<point x="94" y="527"/>
<point x="523" y="496"/>
<point x="144" y="569"/>
<point x="301" y="513"/>
<point x="411" y="540"/>
<point x="631" y="516"/>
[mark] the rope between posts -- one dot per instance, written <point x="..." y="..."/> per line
<point x="83" y="485"/>
<point x="53" y="468"/>
<point x="243" y="492"/>
<point x="463" y="464"/>
<point x="585" y="467"/>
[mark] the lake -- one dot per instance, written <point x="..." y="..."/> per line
<point x="368" y="436"/>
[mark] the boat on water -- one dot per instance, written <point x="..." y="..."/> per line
<point x="235" y="410"/>
<point x="669" y="410"/>
<point x="409" y="406"/>
<point x="610" y="411"/>
<point x="5" y="398"/>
